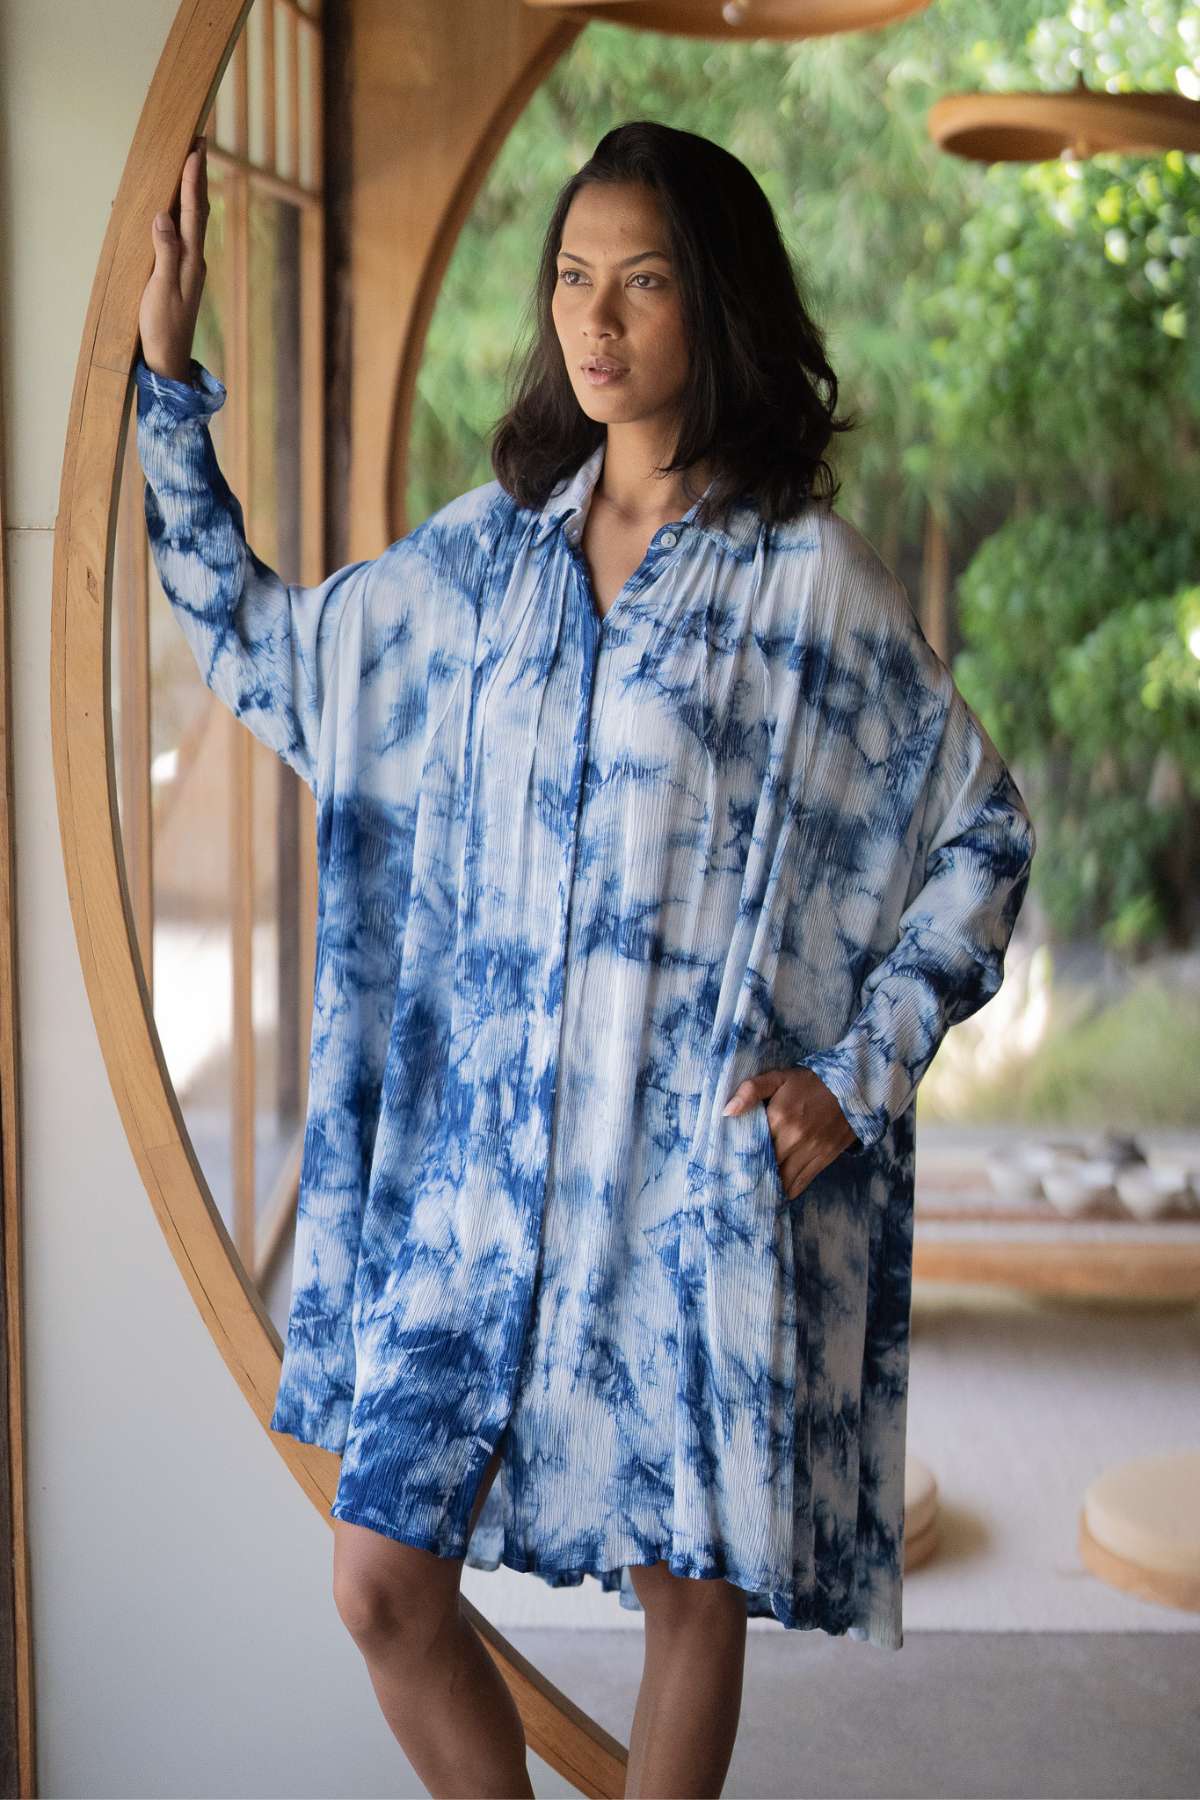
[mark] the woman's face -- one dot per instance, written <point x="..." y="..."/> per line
<point x="616" y="296"/>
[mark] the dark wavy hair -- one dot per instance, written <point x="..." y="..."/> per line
<point x="760" y="397"/>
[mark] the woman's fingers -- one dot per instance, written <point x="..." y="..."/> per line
<point x="167" y="249"/>
<point x="179" y="248"/>
<point x="193" y="213"/>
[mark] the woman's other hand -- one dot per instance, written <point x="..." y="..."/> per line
<point x="171" y="300"/>
<point x="808" y="1127"/>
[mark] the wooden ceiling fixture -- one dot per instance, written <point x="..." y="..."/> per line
<point x="784" y="19"/>
<point x="1076" y="123"/>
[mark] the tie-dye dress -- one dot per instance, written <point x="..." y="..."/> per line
<point x="579" y="876"/>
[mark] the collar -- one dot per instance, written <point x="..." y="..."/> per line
<point x="573" y="495"/>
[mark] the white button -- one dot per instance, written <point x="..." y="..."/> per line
<point x="669" y="538"/>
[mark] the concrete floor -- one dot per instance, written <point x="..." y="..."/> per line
<point x="1002" y="1715"/>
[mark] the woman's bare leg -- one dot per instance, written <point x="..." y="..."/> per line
<point x="690" y="1700"/>
<point x="443" y="1697"/>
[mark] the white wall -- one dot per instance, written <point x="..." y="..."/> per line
<point x="185" y="1635"/>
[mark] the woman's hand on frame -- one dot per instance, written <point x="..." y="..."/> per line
<point x="171" y="299"/>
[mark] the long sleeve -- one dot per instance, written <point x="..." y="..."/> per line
<point x="264" y="647"/>
<point x="953" y="935"/>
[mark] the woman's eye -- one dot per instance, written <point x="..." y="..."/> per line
<point x="640" y="276"/>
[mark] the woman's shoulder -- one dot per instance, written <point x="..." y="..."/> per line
<point x="836" y="564"/>
<point x="845" y="596"/>
<point x="832" y="543"/>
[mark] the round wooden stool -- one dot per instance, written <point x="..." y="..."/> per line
<point x="920" y="1512"/>
<point x="1139" y="1528"/>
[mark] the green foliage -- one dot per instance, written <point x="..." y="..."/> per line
<point x="1064" y="346"/>
<point x="1099" y="867"/>
<point x="1083" y="652"/>
<point x="1129" y="689"/>
<point x="1035" y="594"/>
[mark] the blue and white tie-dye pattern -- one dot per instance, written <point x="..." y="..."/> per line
<point x="579" y="877"/>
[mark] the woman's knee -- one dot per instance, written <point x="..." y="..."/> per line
<point x="388" y="1593"/>
<point x="668" y="1598"/>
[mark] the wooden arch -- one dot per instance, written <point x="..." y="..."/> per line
<point x="500" y="53"/>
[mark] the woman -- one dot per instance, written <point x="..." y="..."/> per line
<point x="658" y="851"/>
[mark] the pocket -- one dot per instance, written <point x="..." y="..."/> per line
<point x="743" y="1169"/>
<point x="770" y="1160"/>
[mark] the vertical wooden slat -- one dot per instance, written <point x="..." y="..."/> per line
<point x="316" y="111"/>
<point x="312" y="512"/>
<point x="242" y="935"/>
<point x="293" y="80"/>
<point x="268" y="28"/>
<point x="241" y="746"/>
<point x="241" y="97"/>
<point x="312" y="371"/>
<point x="317" y="548"/>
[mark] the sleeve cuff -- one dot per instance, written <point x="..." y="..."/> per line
<point x="867" y="1126"/>
<point x="167" y="402"/>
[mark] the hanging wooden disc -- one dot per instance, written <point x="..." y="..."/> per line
<point x="783" y="19"/>
<point x="1078" y="122"/>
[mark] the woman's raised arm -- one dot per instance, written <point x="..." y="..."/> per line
<point x="264" y="647"/>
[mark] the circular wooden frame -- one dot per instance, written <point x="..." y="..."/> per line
<point x="180" y="97"/>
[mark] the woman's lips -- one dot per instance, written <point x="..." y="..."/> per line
<point x="603" y="375"/>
